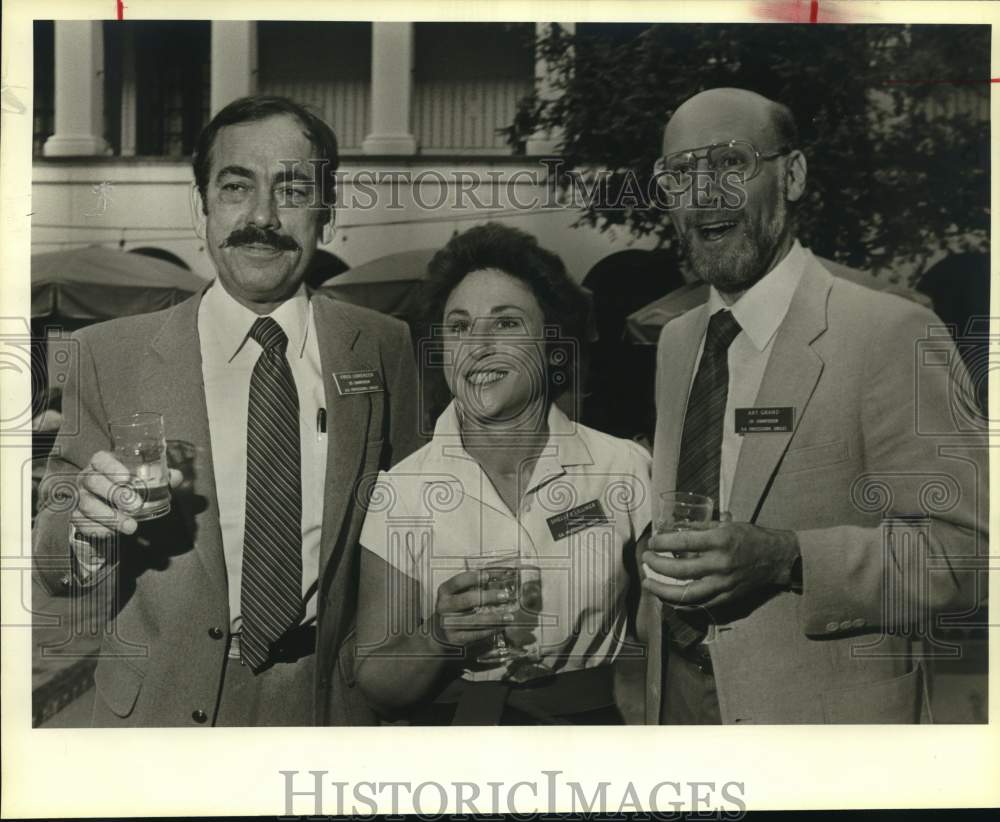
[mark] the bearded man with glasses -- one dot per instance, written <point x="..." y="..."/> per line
<point x="800" y="403"/>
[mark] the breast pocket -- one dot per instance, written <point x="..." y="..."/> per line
<point x="812" y="457"/>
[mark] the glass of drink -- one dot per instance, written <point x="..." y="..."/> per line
<point x="523" y="635"/>
<point x="140" y="446"/>
<point x="681" y="511"/>
<point x="499" y="571"/>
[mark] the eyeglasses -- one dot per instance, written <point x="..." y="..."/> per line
<point x="739" y="158"/>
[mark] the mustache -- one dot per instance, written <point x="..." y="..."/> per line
<point x="252" y="235"/>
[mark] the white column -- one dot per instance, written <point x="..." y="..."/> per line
<point x="392" y="86"/>
<point x="545" y="142"/>
<point x="79" y="90"/>
<point x="129" y="90"/>
<point x="234" y="61"/>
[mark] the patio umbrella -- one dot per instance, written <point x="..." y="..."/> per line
<point x="100" y="283"/>
<point x="643" y="326"/>
<point x="387" y="284"/>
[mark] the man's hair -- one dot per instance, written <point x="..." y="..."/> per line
<point x="564" y="305"/>
<point x="260" y="107"/>
<point x="783" y="123"/>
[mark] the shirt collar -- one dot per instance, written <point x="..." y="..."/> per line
<point x="231" y="322"/>
<point x="761" y="310"/>
<point x="564" y="444"/>
<point x="564" y="448"/>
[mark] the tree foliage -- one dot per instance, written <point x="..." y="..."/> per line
<point x="890" y="118"/>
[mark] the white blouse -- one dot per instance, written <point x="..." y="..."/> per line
<point x="585" y="506"/>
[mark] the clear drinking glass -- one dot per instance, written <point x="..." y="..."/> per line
<point x="681" y="511"/>
<point x="501" y="571"/>
<point x="140" y="445"/>
<point x="523" y="636"/>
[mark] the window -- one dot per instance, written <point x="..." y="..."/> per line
<point x="44" y="59"/>
<point x="468" y="80"/>
<point x="326" y="66"/>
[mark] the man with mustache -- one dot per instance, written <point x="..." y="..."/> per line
<point x="237" y="607"/>
<point x="850" y="475"/>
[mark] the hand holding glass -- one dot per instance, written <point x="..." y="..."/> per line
<point x="140" y="445"/>
<point x="681" y="511"/>
<point x="499" y="571"/>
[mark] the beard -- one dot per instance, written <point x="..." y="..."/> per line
<point x="741" y="260"/>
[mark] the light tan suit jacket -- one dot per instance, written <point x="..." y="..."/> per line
<point x="882" y="430"/>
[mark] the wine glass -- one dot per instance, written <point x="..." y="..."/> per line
<point x="523" y="634"/>
<point x="499" y="571"/>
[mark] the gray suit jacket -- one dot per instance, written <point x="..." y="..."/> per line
<point x="881" y="431"/>
<point x="160" y="660"/>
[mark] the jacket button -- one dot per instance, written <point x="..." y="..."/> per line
<point x="215" y="632"/>
<point x="832" y="626"/>
<point x="199" y="717"/>
<point x="858" y="623"/>
<point x="845" y="625"/>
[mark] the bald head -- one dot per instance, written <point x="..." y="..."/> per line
<point x="723" y="114"/>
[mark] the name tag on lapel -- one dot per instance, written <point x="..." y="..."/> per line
<point x="577" y="519"/>
<point x="357" y="382"/>
<point x="765" y="420"/>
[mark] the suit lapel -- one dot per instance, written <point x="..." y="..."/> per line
<point x="679" y="352"/>
<point x="173" y="384"/>
<point x="348" y="419"/>
<point x="790" y="378"/>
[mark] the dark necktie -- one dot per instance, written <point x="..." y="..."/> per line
<point x="701" y="447"/>
<point x="271" y="593"/>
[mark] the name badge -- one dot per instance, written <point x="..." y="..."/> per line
<point x="357" y="382"/>
<point x="764" y="420"/>
<point x="577" y="519"/>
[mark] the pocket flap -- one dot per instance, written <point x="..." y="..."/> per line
<point x="898" y="700"/>
<point x="118" y="684"/>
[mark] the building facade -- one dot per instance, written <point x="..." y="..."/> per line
<point x="418" y="109"/>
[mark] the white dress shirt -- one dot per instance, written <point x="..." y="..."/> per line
<point x="228" y="357"/>
<point x="760" y="312"/>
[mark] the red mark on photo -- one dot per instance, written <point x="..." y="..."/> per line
<point x="120" y="9"/>
<point x="799" y="11"/>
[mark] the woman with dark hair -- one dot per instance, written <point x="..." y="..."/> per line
<point x="493" y="573"/>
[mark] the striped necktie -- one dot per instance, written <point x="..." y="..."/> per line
<point x="701" y="447"/>
<point x="271" y="593"/>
